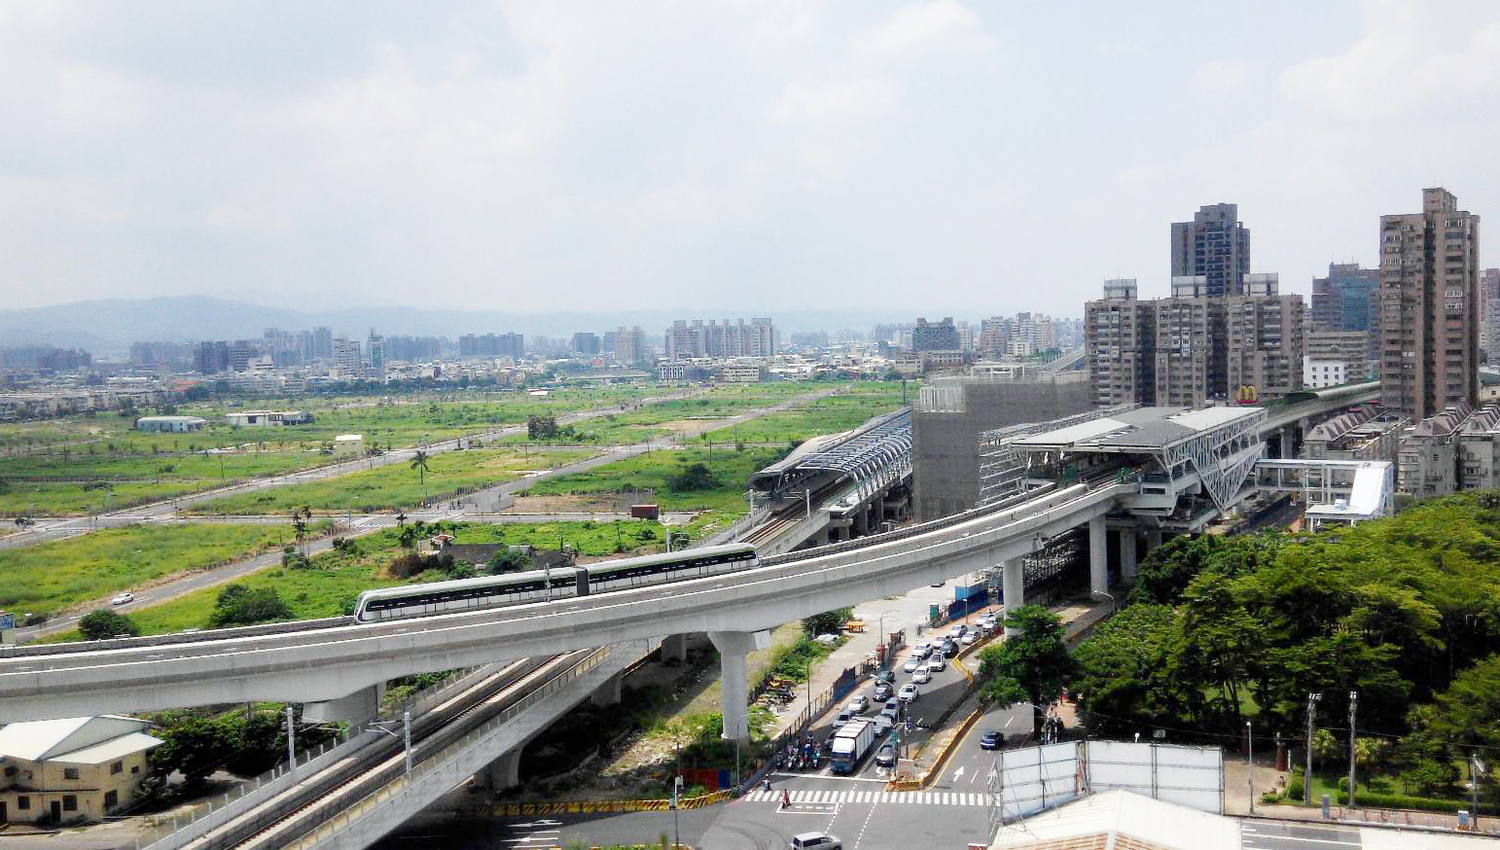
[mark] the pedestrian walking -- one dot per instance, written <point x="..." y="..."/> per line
<point x="786" y="798"/>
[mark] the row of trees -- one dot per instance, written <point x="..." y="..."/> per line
<point x="1404" y="611"/>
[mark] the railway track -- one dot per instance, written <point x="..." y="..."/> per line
<point x="305" y="804"/>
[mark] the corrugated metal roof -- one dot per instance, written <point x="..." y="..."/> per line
<point x="44" y="739"/>
<point x="110" y="750"/>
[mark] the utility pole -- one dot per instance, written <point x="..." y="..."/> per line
<point x="1353" y="701"/>
<point x="406" y="738"/>
<point x="1250" y="763"/>
<point x="291" y="739"/>
<point x="1475" y="768"/>
<point x="1312" y="707"/>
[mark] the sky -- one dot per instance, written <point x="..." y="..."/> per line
<point x="724" y="158"/>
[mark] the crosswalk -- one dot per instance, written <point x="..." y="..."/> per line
<point x="919" y="798"/>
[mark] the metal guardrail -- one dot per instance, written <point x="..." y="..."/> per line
<point x="336" y="818"/>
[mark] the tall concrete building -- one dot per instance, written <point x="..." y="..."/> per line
<point x="1348" y="299"/>
<point x="1429" y="307"/>
<point x="585" y="343"/>
<point x="1191" y="348"/>
<point x="685" y="340"/>
<point x="1216" y="245"/>
<point x="629" y="345"/>
<point x="1489" y="315"/>
<point x="935" y="336"/>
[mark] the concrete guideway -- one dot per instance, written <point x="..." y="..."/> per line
<point x="331" y="663"/>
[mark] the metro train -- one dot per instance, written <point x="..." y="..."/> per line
<point x="470" y="594"/>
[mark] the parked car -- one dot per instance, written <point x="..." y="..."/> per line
<point x="883" y="690"/>
<point x="991" y="740"/>
<point x="886" y="756"/>
<point x="123" y="598"/>
<point x="816" y="841"/>
<point x="908" y="693"/>
<point x="936" y="664"/>
<point x="858" y="704"/>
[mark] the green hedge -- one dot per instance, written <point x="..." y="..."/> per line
<point x="1376" y="800"/>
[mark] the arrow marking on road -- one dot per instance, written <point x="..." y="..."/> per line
<point x="958" y="773"/>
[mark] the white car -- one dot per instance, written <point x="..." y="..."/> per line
<point x="956" y="632"/>
<point x="922" y="648"/>
<point x="969" y="638"/>
<point x="911" y="664"/>
<point x="123" y="598"/>
<point x="921" y="675"/>
<point x="936" y="664"/>
<point x="908" y="693"/>
<point x="858" y="704"/>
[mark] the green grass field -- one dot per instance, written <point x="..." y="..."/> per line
<point x="45" y="467"/>
<point x="51" y="577"/>
<point x="396" y="485"/>
<point x="731" y="473"/>
<point x="828" y="415"/>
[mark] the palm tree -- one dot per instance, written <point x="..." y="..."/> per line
<point x="419" y="463"/>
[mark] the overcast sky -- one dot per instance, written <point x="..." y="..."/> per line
<point x="728" y="158"/>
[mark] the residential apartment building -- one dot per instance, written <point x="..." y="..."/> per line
<point x="1348" y="301"/>
<point x="1215" y="245"/>
<point x="586" y="344"/>
<point x="1489" y="315"/>
<point x="692" y="339"/>
<point x="935" y="336"/>
<point x="1429" y="310"/>
<point x="1351" y="348"/>
<point x="629" y="345"/>
<point x="1189" y="349"/>
<point x="1321" y="374"/>
<point x="347" y="360"/>
<point x="1457" y="449"/>
<point x="512" y="345"/>
<point x="1362" y="434"/>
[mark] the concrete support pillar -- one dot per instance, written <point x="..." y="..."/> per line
<point x="1098" y="556"/>
<point x="609" y="692"/>
<point x="1013" y="588"/>
<point x="1127" y="554"/>
<point x="355" y="708"/>
<point x="733" y="647"/>
<point x="674" y="648"/>
<point x="1288" y="442"/>
<point x="1153" y="539"/>
<point x="503" y="772"/>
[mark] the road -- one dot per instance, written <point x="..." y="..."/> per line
<point x="61" y="527"/>
<point x="467" y="509"/>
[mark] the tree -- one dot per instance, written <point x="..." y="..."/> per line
<point x="1166" y="572"/>
<point x="508" y="560"/>
<point x="195" y="746"/>
<point x="826" y="623"/>
<point x="104" y="624"/>
<point x="419" y="463"/>
<point x="238" y="605"/>
<point x="696" y="476"/>
<point x="541" y="427"/>
<point x="1030" y="666"/>
<point x="1122" y="669"/>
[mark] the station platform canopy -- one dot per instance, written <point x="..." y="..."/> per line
<point x="880" y="444"/>
<point x="1141" y="430"/>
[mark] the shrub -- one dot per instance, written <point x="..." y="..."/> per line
<point x="104" y="624"/>
<point x="238" y="605"/>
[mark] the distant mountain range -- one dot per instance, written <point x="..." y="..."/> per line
<point x="108" y="326"/>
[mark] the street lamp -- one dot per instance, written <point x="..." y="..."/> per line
<point x="404" y="735"/>
<point x="880" y="633"/>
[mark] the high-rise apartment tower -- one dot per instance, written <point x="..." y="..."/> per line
<point x="1216" y="245"/>
<point x="1429" y="307"/>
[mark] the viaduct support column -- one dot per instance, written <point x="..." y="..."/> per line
<point x="1127" y="554"/>
<point x="609" y="692"/>
<point x="1153" y="539"/>
<point x="355" y="708"/>
<point x="1098" y="556"/>
<point x="674" y="648"/>
<point x="504" y="772"/>
<point x="1013" y="588"/>
<point x="733" y="647"/>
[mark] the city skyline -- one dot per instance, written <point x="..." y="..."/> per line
<point x="487" y="158"/>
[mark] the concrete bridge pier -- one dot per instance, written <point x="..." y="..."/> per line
<point x="1013" y="588"/>
<point x="504" y="772"/>
<point x="733" y="647"/>
<point x="674" y="648"/>
<point x="1129" y="540"/>
<point x="608" y="693"/>
<point x="357" y="707"/>
<point x="1153" y="539"/>
<point x="1098" y="556"/>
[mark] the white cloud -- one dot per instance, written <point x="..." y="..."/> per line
<point x="1221" y="77"/>
<point x="1412" y="58"/>
<point x="837" y="102"/>
<point x="943" y="26"/>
